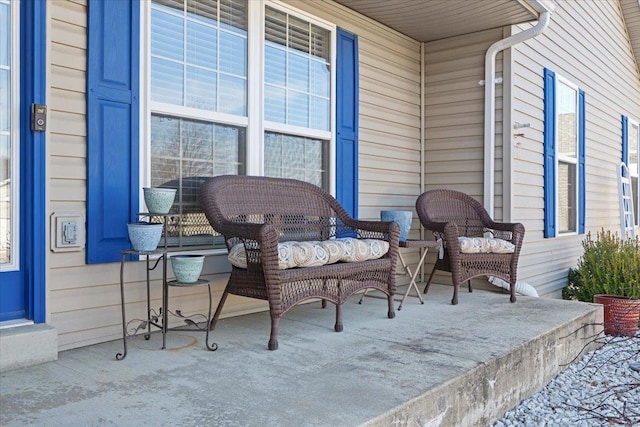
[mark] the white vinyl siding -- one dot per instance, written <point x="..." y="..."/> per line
<point x="389" y="133"/>
<point x="84" y="300"/>
<point x="631" y="14"/>
<point x="609" y="76"/>
<point x="454" y="115"/>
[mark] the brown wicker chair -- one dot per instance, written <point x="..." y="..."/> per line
<point x="451" y="214"/>
<point x="260" y="212"/>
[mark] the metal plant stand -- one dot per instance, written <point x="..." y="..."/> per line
<point x="159" y="319"/>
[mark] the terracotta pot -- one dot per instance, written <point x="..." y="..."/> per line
<point x="621" y="314"/>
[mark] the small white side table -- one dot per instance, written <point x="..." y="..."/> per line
<point x="423" y="245"/>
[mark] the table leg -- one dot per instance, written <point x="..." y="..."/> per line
<point x="412" y="283"/>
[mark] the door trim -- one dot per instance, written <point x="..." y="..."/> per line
<point x="33" y="71"/>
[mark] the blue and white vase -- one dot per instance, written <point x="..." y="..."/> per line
<point x="187" y="268"/>
<point x="159" y="200"/>
<point x="403" y="218"/>
<point x="144" y="236"/>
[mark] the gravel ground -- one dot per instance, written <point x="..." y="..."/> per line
<point x="601" y="389"/>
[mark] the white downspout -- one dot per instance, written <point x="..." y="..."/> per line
<point x="490" y="102"/>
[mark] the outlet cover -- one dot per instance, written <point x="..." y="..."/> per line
<point x="67" y="231"/>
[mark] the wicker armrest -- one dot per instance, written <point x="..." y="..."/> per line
<point x="259" y="239"/>
<point x="516" y="229"/>
<point x="451" y="235"/>
<point x="242" y="231"/>
<point x="387" y="229"/>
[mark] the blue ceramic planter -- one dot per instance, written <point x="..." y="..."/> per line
<point x="403" y="218"/>
<point x="144" y="236"/>
<point x="187" y="268"/>
<point x="159" y="200"/>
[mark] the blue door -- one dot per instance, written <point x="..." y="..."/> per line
<point x="22" y="161"/>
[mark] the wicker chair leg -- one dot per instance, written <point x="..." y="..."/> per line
<point x="214" y="320"/>
<point x="426" y="288"/>
<point x="469" y="285"/>
<point x="512" y="287"/>
<point x="324" y="303"/>
<point x="338" y="327"/>
<point x="392" y="313"/>
<point x="454" y="300"/>
<point x="273" y="339"/>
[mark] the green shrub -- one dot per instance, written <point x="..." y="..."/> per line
<point x="609" y="265"/>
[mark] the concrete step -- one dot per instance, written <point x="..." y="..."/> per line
<point x="27" y="345"/>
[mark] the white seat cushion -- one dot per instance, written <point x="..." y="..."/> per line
<point x="313" y="254"/>
<point x="476" y="245"/>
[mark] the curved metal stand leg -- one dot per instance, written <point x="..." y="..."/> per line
<point x="213" y="346"/>
<point x="165" y="303"/>
<point x="120" y="356"/>
<point x="147" y="336"/>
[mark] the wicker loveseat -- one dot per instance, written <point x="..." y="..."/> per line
<point x="262" y="214"/>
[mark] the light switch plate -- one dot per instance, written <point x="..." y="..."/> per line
<point x="67" y="231"/>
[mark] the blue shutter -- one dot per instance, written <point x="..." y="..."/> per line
<point x="112" y="126"/>
<point x="549" y="153"/>
<point x="581" y="166"/>
<point x="625" y="139"/>
<point x="347" y="121"/>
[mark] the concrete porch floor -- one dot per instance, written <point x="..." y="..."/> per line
<point x="433" y="365"/>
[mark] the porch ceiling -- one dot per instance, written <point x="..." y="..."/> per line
<point x="426" y="20"/>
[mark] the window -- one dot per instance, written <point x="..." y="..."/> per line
<point x="631" y="148"/>
<point x="190" y="99"/>
<point x="204" y="114"/>
<point x="567" y="156"/>
<point x="564" y="156"/>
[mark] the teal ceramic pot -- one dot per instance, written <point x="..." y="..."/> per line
<point x="187" y="268"/>
<point x="403" y="218"/>
<point x="159" y="200"/>
<point x="144" y="236"/>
